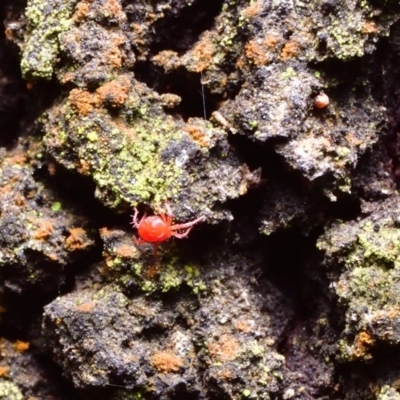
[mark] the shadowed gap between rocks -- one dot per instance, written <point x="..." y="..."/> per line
<point x="179" y="32"/>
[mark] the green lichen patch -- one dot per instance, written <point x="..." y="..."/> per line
<point x="230" y="350"/>
<point x="137" y="154"/>
<point x="9" y="391"/>
<point x="47" y="20"/>
<point x="370" y="285"/>
<point x="74" y="30"/>
<point x="136" y="267"/>
<point x="341" y="30"/>
<point x="388" y="392"/>
<point x="125" y="162"/>
<point x="355" y="30"/>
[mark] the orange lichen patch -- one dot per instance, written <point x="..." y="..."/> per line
<point x="138" y="31"/>
<point x="253" y="9"/>
<point x="225" y="374"/>
<point x="8" y="187"/>
<point x="167" y="59"/>
<point x="83" y="167"/>
<point x="107" y="233"/>
<point x="44" y="229"/>
<point x="202" y="53"/>
<point x="19" y="200"/>
<point x="4" y="370"/>
<point x="392" y="312"/>
<point x="82" y="10"/>
<point x="9" y="34"/>
<point x="77" y="240"/>
<point x="256" y="52"/>
<point x="271" y="39"/>
<point x="125" y="251"/>
<point x="353" y="140"/>
<point x="31" y="194"/>
<point x="369" y="27"/>
<point x="83" y="101"/>
<point x="197" y="134"/>
<point x="165" y="361"/>
<point x="362" y="343"/>
<point x="225" y="349"/>
<point x="111" y="7"/>
<point x="240" y="63"/>
<point x="290" y="50"/>
<point x="108" y="259"/>
<point x="243" y="326"/>
<point x="113" y="55"/>
<point x="152" y="271"/>
<point x="116" y="91"/>
<point x="19" y="158"/>
<point x="67" y="77"/>
<point x="21" y="346"/>
<point x="86" y="307"/>
<point x="53" y="256"/>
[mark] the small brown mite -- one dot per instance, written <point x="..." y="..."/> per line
<point x="321" y="101"/>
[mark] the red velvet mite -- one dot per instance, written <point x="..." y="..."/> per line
<point x="158" y="228"/>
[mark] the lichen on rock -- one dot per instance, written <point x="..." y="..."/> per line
<point x="46" y="21"/>
<point x="135" y="153"/>
<point x="368" y="287"/>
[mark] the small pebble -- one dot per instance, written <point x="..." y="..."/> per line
<point x="321" y="101"/>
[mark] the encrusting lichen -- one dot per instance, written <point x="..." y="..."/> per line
<point x="369" y="285"/>
<point x="123" y="159"/>
<point x="121" y="137"/>
<point x="47" y="20"/>
<point x="9" y="391"/>
<point x="130" y="266"/>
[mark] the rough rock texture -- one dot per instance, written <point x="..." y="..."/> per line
<point x="185" y="336"/>
<point x="39" y="235"/>
<point x="369" y="285"/>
